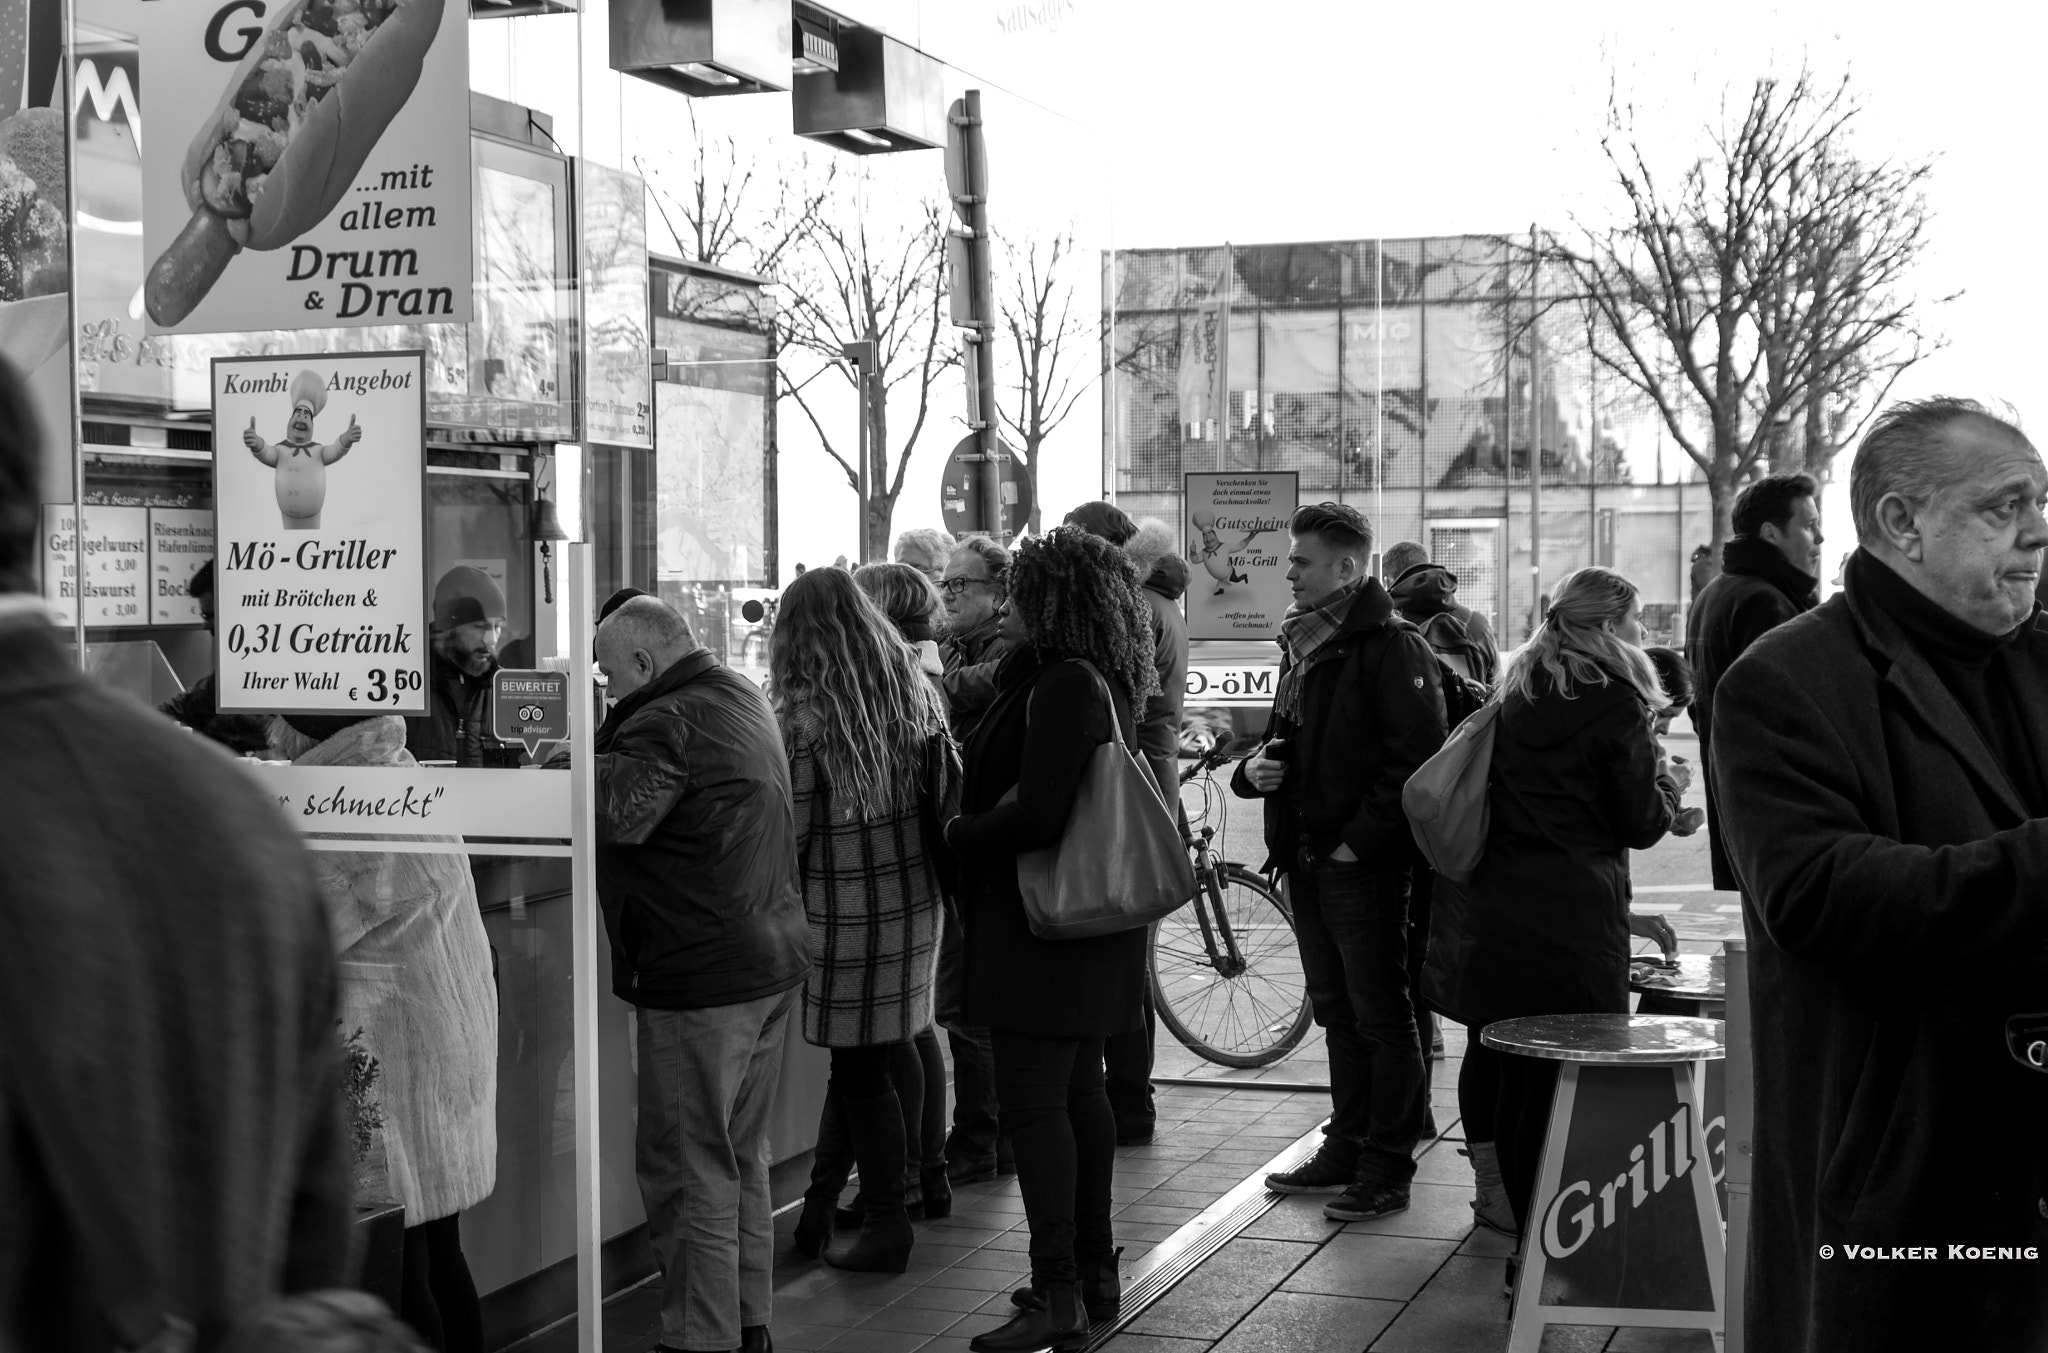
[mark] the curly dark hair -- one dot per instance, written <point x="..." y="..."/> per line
<point x="1078" y="596"/>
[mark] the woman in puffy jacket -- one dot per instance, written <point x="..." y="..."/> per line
<point x="1578" y="780"/>
<point x="416" y="979"/>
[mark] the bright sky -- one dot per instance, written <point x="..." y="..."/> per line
<point x="1199" y="121"/>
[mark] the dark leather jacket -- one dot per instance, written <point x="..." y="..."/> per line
<point x="696" y="856"/>
<point x="457" y="725"/>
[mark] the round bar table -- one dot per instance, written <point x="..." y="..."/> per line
<point x="1623" y="1228"/>
<point x="1698" y="987"/>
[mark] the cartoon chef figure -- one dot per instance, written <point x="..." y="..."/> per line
<point x="301" y="463"/>
<point x="1213" y="557"/>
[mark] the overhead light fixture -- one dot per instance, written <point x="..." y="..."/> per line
<point x="703" y="47"/>
<point x="817" y="46"/>
<point x="886" y="95"/>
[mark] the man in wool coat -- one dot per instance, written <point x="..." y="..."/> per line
<point x="1882" y="765"/>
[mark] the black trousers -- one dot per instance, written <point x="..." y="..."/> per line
<point x="1058" y="1116"/>
<point x="1127" y="1063"/>
<point x="438" y="1298"/>
<point x="1521" y="1115"/>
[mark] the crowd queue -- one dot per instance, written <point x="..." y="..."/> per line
<point x="838" y="859"/>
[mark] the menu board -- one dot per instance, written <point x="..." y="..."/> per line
<point x="320" y="486"/>
<point x="180" y="542"/>
<point x="1237" y="549"/>
<point x="116" y="549"/>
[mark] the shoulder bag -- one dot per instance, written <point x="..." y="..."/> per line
<point x="1445" y="799"/>
<point x="1120" y="863"/>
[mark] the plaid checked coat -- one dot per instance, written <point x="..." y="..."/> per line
<point x="871" y="894"/>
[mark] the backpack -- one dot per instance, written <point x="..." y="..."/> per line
<point x="1445" y="799"/>
<point x="1460" y="663"/>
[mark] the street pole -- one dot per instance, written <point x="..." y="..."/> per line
<point x="862" y="355"/>
<point x="1535" y="434"/>
<point x="986" y="444"/>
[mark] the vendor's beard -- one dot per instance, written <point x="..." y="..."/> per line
<point x="474" y="661"/>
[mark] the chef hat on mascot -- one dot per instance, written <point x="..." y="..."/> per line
<point x="1204" y="521"/>
<point x="309" y="387"/>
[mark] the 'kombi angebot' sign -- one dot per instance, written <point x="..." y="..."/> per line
<point x="320" y="492"/>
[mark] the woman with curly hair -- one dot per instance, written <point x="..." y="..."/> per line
<point x="866" y="736"/>
<point x="1083" y="662"/>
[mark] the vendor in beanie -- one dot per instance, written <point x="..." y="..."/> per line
<point x="469" y="622"/>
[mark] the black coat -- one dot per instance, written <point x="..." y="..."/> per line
<point x="457" y="724"/>
<point x="696" y="856"/>
<point x="1574" y="788"/>
<point x="1038" y="736"/>
<point x="1757" y="591"/>
<point x="1892" y="893"/>
<point x="1372" y="712"/>
<point x="162" y="930"/>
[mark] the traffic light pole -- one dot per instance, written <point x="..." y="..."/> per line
<point x="970" y="199"/>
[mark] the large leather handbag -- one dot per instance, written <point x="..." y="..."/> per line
<point x="1120" y="863"/>
<point x="1446" y="798"/>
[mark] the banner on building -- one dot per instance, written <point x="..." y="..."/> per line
<point x="309" y="163"/>
<point x="1237" y="552"/>
<point x="320" y="496"/>
<point x="618" y="386"/>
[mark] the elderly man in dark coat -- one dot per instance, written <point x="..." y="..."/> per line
<point x="172" y="1141"/>
<point x="1883" y="769"/>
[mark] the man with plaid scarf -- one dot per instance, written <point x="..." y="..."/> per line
<point x="1358" y="707"/>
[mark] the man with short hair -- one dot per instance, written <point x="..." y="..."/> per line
<point x="697" y="878"/>
<point x="172" y="1139"/>
<point x="1357" y="709"/>
<point x="1882" y="764"/>
<point x="926" y="549"/>
<point x="1426" y="595"/>
<point x="1769" y="574"/>
<point x="975" y="589"/>
<point x="468" y="622"/>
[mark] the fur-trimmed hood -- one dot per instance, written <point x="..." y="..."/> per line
<point x="1151" y="553"/>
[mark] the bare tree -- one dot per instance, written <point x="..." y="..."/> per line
<point x="855" y="275"/>
<point x="730" y="209"/>
<point x="1763" y="290"/>
<point x="1035" y="298"/>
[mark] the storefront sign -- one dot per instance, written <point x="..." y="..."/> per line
<point x="421" y="800"/>
<point x="320" y="486"/>
<point x="1237" y="542"/>
<point x="618" y="396"/>
<point x="116" y="550"/>
<point x="1238" y="684"/>
<point x="180" y="541"/>
<point x="309" y="164"/>
<point x="529" y="707"/>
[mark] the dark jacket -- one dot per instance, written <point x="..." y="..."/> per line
<point x="1037" y="738"/>
<point x="159" y="924"/>
<point x="1891" y="880"/>
<point x="1756" y="591"/>
<point x="1372" y="711"/>
<point x="1545" y="927"/>
<point x="971" y="659"/>
<point x="1166" y="578"/>
<point x="1426" y="591"/>
<point x="457" y="725"/>
<point x="199" y="710"/>
<point x="696" y="859"/>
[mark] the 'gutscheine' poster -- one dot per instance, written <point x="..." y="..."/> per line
<point x="309" y="164"/>
<point x="320" y="499"/>
<point x="1237" y="553"/>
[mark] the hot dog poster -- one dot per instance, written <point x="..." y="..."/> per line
<point x="309" y="165"/>
<point x="320" y="533"/>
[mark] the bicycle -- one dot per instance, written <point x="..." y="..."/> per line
<point x="1226" y="974"/>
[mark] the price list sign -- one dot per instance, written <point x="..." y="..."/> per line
<point x="321" y="570"/>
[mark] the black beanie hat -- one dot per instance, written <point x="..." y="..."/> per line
<point x="466" y="595"/>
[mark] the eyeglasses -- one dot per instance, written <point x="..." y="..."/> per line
<point x="953" y="587"/>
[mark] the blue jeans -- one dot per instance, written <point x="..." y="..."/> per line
<point x="707" y="1081"/>
<point x="1351" y="922"/>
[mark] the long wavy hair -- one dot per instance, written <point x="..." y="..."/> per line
<point x="905" y="595"/>
<point x="1574" y="647"/>
<point x="838" y="657"/>
<point x="1079" y="597"/>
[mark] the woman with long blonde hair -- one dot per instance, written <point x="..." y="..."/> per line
<point x="869" y="760"/>
<point x="1578" y="780"/>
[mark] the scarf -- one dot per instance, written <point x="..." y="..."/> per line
<point x="1302" y="633"/>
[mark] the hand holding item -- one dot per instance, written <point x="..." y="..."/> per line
<point x="1653" y="927"/>
<point x="1688" y="821"/>
<point x="1264" y="773"/>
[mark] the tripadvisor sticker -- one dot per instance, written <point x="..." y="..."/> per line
<point x="530" y="708"/>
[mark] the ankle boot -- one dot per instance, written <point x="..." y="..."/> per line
<point x="1489" y="1195"/>
<point x="885" y="1234"/>
<point x="1056" y="1320"/>
<point x="830" y="1165"/>
<point x="938" y="1194"/>
<point x="1102" y="1288"/>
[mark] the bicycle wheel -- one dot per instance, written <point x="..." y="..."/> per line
<point x="1245" y="1019"/>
